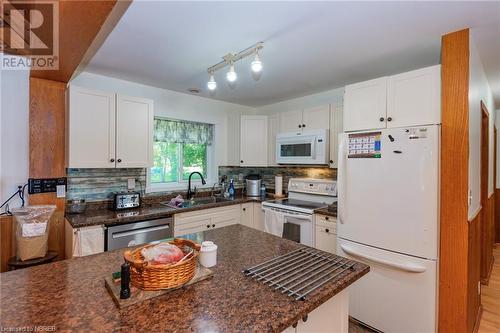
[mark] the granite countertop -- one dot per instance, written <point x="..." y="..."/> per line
<point x="110" y="217"/>
<point x="326" y="211"/>
<point x="71" y="296"/>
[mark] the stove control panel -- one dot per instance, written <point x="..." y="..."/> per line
<point x="313" y="186"/>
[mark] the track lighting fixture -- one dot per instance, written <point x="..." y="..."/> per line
<point x="229" y="60"/>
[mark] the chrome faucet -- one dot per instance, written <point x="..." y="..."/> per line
<point x="191" y="193"/>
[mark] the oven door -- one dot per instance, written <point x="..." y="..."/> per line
<point x="289" y="225"/>
<point x="299" y="149"/>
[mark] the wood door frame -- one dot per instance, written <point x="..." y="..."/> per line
<point x="487" y="214"/>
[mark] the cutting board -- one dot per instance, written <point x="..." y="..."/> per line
<point x="137" y="295"/>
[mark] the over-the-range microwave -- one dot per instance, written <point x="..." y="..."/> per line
<point x="307" y="147"/>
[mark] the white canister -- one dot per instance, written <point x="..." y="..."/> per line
<point x="278" y="185"/>
<point x="208" y="254"/>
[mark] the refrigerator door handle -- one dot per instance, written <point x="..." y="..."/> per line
<point x="406" y="267"/>
<point x="342" y="176"/>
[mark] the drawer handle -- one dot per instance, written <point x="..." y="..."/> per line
<point x="121" y="234"/>
<point x="327" y="230"/>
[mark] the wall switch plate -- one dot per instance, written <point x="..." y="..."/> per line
<point x="131" y="183"/>
<point x="240" y="177"/>
<point x="45" y="185"/>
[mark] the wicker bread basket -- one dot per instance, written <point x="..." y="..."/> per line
<point x="146" y="276"/>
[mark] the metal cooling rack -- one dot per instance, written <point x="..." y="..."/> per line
<point x="299" y="272"/>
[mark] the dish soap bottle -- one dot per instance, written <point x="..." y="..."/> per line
<point x="231" y="189"/>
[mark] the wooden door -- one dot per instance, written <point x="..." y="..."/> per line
<point x="365" y="105"/>
<point x="91" y="129"/>
<point x="316" y="118"/>
<point x="134" y="132"/>
<point x="486" y="218"/>
<point x="414" y="98"/>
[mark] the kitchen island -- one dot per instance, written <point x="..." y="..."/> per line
<point x="70" y="295"/>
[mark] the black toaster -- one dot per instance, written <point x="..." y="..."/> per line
<point x="126" y="200"/>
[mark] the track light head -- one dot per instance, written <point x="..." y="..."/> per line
<point x="211" y="84"/>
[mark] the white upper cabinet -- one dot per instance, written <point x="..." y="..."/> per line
<point x="407" y="99"/>
<point x="108" y="131"/>
<point x="134" y="147"/>
<point x="316" y="118"/>
<point x="273" y="128"/>
<point x="253" y="141"/>
<point x="91" y="134"/>
<point x="365" y="105"/>
<point x="291" y="121"/>
<point x="335" y="129"/>
<point x="304" y="120"/>
<point x="414" y="98"/>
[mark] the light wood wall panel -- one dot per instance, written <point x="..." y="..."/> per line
<point x="454" y="280"/>
<point x="6" y="245"/>
<point x="47" y="148"/>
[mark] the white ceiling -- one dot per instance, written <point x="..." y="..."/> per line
<point x="308" y="46"/>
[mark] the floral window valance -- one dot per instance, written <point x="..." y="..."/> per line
<point x="178" y="131"/>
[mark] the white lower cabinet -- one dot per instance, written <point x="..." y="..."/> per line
<point x="258" y="216"/>
<point x="331" y="316"/>
<point x="247" y="214"/>
<point x="84" y="241"/>
<point x="206" y="219"/>
<point x="326" y="233"/>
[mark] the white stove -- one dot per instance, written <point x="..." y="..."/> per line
<point x="305" y="195"/>
<point x="292" y="217"/>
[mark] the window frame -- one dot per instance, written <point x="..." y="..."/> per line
<point x="181" y="184"/>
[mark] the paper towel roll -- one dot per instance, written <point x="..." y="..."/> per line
<point x="278" y="185"/>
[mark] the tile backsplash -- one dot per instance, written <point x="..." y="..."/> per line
<point x="267" y="173"/>
<point x="100" y="184"/>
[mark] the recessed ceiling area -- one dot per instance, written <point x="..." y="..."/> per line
<point x="308" y="47"/>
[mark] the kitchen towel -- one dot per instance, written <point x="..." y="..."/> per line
<point x="89" y="240"/>
<point x="274" y="222"/>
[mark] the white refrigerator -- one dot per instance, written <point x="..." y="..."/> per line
<point x="388" y="214"/>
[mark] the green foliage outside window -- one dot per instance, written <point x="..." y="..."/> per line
<point x="172" y="160"/>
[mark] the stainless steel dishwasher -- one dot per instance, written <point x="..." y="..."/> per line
<point x="131" y="234"/>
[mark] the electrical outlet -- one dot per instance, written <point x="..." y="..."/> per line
<point x="131" y="183"/>
<point x="240" y="177"/>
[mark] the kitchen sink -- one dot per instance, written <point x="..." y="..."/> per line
<point x="197" y="202"/>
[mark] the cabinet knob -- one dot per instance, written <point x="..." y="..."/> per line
<point x="303" y="125"/>
<point x="300" y="126"/>
<point x="213" y="225"/>
<point x="208" y="226"/>
<point x="119" y="160"/>
<point x="381" y="119"/>
<point x="244" y="209"/>
<point x="112" y="160"/>
<point x="241" y="161"/>
<point x="331" y="161"/>
<point x="389" y="118"/>
<point x="304" y="319"/>
<point x="327" y="230"/>
<point x="327" y="218"/>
